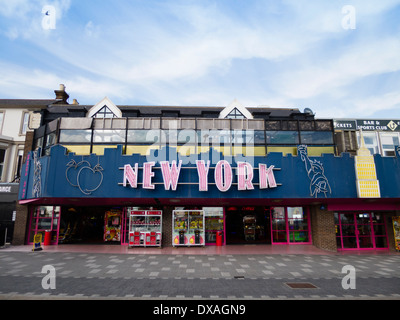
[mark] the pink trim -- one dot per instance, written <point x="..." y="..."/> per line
<point x="363" y="206"/>
<point x="28" y="201"/>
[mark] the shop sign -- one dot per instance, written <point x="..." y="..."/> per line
<point x="5" y="189"/>
<point x="223" y="175"/>
<point x="37" y="242"/>
<point x="367" y="125"/>
<point x="378" y="125"/>
<point x="344" y="124"/>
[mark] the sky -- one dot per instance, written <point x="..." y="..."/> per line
<point x="340" y="58"/>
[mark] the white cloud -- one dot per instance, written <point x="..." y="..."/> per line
<point x="329" y="75"/>
<point x="369" y="105"/>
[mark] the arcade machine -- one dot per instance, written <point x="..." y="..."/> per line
<point x="145" y="228"/>
<point x="188" y="228"/>
<point x="112" y="225"/>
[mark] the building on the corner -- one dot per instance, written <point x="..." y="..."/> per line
<point x="259" y="175"/>
<point x="18" y="118"/>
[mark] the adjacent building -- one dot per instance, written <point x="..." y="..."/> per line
<point x="18" y="118"/>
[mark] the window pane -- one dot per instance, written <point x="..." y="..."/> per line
<point x="389" y="141"/>
<point x="347" y="218"/>
<point x="278" y="213"/>
<point x="107" y="136"/>
<point x="25" y="121"/>
<point x="282" y="137"/>
<point x="235" y="114"/>
<point x="239" y="136"/>
<point x="51" y="139"/>
<point x="104" y="112"/>
<point x="295" y="212"/>
<point x="1" y="120"/>
<point x="348" y="230"/>
<point x="75" y="136"/>
<point x="2" y="155"/>
<point x="45" y="212"/>
<point x="298" y="236"/>
<point x="214" y="136"/>
<point x="279" y="224"/>
<point x="181" y="136"/>
<point x="371" y="141"/>
<point x="44" y="224"/>
<point x="349" y="242"/>
<point x="362" y="218"/>
<point x="259" y="137"/>
<point x="379" y="229"/>
<point x="316" y="137"/>
<point x="279" y="236"/>
<point x="143" y="136"/>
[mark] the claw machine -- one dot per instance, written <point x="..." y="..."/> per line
<point x="145" y="228"/>
<point x="188" y="228"/>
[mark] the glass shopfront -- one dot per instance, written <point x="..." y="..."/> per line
<point x="235" y="225"/>
<point x="214" y="223"/>
<point x="290" y="225"/>
<point x="361" y="230"/>
<point x="45" y="218"/>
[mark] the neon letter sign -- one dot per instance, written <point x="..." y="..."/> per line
<point x="148" y="174"/>
<point x="130" y="175"/>
<point x="170" y="175"/>
<point x="202" y="171"/>
<point x="245" y="176"/>
<point x="266" y="176"/>
<point x="223" y="175"/>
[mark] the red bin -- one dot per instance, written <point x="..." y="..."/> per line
<point x="47" y="238"/>
<point x="219" y="239"/>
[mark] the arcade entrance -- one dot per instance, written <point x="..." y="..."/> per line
<point x="247" y="225"/>
<point x="90" y="225"/>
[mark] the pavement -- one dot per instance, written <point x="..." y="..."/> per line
<point x="52" y="275"/>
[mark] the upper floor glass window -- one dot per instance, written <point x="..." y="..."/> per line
<point x="108" y="136"/>
<point x="370" y="140"/>
<point x="1" y="121"/>
<point x="2" y="158"/>
<point x="389" y="141"/>
<point x="316" y="137"/>
<point x="75" y="136"/>
<point x="235" y="114"/>
<point x="25" y="122"/>
<point x="282" y="137"/>
<point x="105" y="112"/>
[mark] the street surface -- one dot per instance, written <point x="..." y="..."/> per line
<point x="67" y="275"/>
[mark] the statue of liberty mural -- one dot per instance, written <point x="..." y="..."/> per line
<point x="315" y="170"/>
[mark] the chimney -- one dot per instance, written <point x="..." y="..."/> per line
<point x="61" y="94"/>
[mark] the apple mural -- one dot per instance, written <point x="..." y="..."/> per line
<point x="90" y="179"/>
<point x="81" y="175"/>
